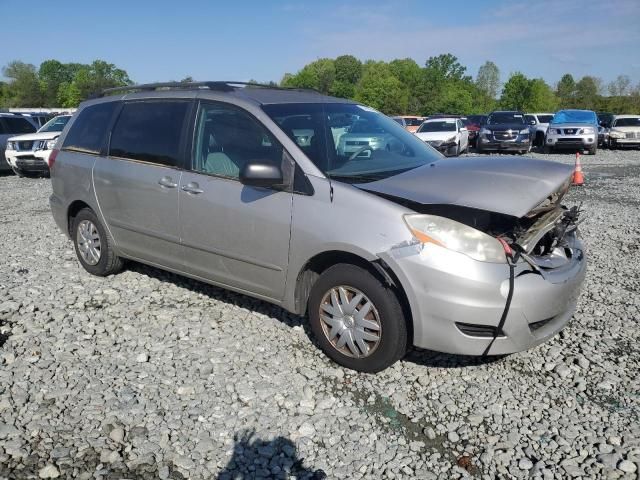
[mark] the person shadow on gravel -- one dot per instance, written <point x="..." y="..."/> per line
<point x="255" y="458"/>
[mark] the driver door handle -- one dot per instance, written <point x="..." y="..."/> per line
<point x="192" y="187"/>
<point x="167" y="182"/>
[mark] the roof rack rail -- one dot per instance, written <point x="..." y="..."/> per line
<point x="221" y="86"/>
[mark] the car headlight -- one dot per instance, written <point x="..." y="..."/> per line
<point x="485" y="131"/>
<point x="588" y="131"/>
<point x="616" y="134"/>
<point x="456" y="236"/>
<point x="10" y="146"/>
<point x="524" y="131"/>
<point x="553" y="131"/>
<point x="51" y="143"/>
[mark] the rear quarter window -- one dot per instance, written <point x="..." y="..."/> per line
<point x="150" y="132"/>
<point x="88" y="132"/>
<point x="18" y="125"/>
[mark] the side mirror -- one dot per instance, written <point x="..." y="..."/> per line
<point x="463" y="129"/>
<point x="532" y="122"/>
<point x="261" y="174"/>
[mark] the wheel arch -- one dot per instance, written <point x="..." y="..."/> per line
<point x="74" y="208"/>
<point x="316" y="265"/>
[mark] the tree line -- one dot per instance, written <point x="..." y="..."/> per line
<point x="57" y="84"/>
<point x="400" y="86"/>
<point x="442" y="85"/>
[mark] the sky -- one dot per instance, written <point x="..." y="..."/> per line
<point x="241" y="40"/>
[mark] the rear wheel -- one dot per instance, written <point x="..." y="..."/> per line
<point x="93" y="245"/>
<point x="356" y="319"/>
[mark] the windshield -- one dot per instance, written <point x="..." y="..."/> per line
<point x="574" y="116"/>
<point x="545" y="118"/>
<point x="627" y="122"/>
<point x="349" y="142"/>
<point x="56" y="124"/>
<point x="498" y="118"/>
<point x="438" y="126"/>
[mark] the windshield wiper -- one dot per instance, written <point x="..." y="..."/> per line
<point x="355" y="178"/>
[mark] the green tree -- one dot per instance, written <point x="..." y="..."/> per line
<point x="52" y="74"/>
<point x="566" y="90"/>
<point x="515" y="93"/>
<point x="446" y="66"/>
<point x="348" y="69"/>
<point x="488" y="79"/>
<point x="587" y="90"/>
<point x="23" y="87"/>
<point x="381" y="89"/>
<point x="318" y="75"/>
<point x="540" y="97"/>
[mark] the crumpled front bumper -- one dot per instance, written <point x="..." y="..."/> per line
<point x="448" y="292"/>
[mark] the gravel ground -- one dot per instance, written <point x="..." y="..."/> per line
<point x="150" y="375"/>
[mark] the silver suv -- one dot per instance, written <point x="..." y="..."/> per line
<point x="246" y="187"/>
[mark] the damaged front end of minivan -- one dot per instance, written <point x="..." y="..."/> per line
<point x="489" y="302"/>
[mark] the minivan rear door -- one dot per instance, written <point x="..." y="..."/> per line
<point x="234" y="235"/>
<point x="137" y="183"/>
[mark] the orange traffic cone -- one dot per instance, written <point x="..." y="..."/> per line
<point x="578" y="177"/>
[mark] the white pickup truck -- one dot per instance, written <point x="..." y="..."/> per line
<point x="29" y="154"/>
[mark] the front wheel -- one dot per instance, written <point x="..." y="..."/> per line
<point x="357" y="319"/>
<point x="593" y="150"/>
<point x="93" y="245"/>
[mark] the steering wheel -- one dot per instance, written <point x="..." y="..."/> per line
<point x="359" y="151"/>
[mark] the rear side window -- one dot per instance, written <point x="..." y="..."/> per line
<point x="87" y="134"/>
<point x="18" y="125"/>
<point x="150" y="132"/>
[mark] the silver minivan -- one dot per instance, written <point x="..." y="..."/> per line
<point x="243" y="186"/>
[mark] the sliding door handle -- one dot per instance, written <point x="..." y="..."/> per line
<point x="192" y="187"/>
<point x="167" y="182"/>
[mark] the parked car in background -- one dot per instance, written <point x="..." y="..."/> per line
<point x="573" y="129"/>
<point x="624" y="131"/>
<point x="538" y="124"/>
<point x="384" y="251"/>
<point x="11" y="125"/>
<point x="447" y="135"/>
<point x="38" y="118"/>
<point x="363" y="137"/>
<point x="604" y="122"/>
<point x="504" y="131"/>
<point x="474" y="124"/>
<point x="409" y="122"/>
<point x="29" y="154"/>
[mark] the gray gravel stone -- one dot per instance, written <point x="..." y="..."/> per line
<point x="149" y="375"/>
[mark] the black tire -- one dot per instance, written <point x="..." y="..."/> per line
<point x="593" y="150"/>
<point x="540" y="139"/>
<point x="109" y="263"/>
<point x="547" y="149"/>
<point x="393" y="341"/>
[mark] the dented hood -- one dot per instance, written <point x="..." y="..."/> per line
<point x="507" y="185"/>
